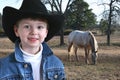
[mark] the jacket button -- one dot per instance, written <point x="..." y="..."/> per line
<point x="56" y="76"/>
<point x="25" y="65"/>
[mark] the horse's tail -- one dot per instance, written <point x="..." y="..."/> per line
<point x="69" y="47"/>
<point x="70" y="51"/>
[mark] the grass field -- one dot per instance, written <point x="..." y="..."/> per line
<point x="107" y="67"/>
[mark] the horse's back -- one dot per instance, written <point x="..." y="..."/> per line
<point x="76" y="33"/>
<point x="79" y="37"/>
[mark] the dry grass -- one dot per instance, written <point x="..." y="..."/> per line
<point x="107" y="68"/>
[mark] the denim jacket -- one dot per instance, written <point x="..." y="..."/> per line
<point x="13" y="67"/>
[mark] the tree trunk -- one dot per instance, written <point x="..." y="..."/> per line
<point x="62" y="36"/>
<point x="109" y="24"/>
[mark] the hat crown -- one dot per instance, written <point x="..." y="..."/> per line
<point x="33" y="6"/>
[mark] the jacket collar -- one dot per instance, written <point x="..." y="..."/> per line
<point x="19" y="55"/>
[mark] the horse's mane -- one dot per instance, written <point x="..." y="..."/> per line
<point x="94" y="41"/>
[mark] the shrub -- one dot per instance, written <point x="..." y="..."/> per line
<point x="67" y="31"/>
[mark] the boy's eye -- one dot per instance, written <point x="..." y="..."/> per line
<point x="40" y="27"/>
<point x="27" y="26"/>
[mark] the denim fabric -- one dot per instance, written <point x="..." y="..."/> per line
<point x="13" y="67"/>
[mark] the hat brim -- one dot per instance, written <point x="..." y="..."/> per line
<point x="11" y="15"/>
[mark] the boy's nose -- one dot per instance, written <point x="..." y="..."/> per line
<point x="33" y="31"/>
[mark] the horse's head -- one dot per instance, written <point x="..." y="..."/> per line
<point x="94" y="53"/>
<point x="94" y="57"/>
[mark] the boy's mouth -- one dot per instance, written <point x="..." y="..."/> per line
<point x="32" y="39"/>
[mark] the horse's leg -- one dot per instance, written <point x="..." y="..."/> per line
<point x="88" y="50"/>
<point x="69" y="50"/>
<point x="76" y="54"/>
<point x="69" y="56"/>
<point x="86" y="56"/>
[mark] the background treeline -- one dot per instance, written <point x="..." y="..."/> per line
<point x="79" y="16"/>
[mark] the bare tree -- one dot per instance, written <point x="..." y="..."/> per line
<point x="113" y="12"/>
<point x="57" y="6"/>
<point x="112" y="8"/>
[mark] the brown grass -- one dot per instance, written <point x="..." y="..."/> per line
<point x="107" y="68"/>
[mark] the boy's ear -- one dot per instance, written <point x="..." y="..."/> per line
<point x="16" y="30"/>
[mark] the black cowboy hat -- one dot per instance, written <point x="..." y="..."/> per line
<point x="30" y="8"/>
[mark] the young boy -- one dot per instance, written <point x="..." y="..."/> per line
<point x="29" y="28"/>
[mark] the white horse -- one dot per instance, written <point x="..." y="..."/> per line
<point x="83" y="39"/>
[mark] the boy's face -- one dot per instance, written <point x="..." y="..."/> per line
<point x="31" y="32"/>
